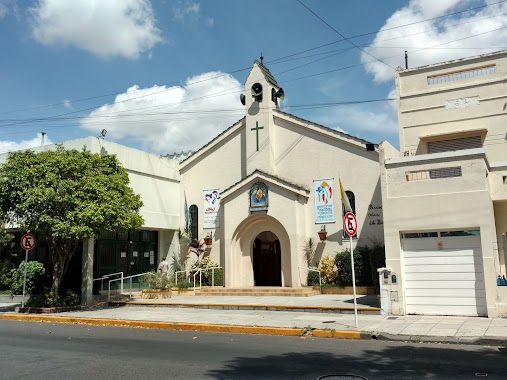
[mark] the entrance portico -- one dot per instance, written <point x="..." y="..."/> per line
<point x="259" y="254"/>
<point x="257" y="248"/>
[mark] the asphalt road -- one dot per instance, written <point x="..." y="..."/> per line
<point x="63" y="351"/>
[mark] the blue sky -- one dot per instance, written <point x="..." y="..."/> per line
<point x="165" y="76"/>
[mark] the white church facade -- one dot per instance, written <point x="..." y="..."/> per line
<point x="270" y="182"/>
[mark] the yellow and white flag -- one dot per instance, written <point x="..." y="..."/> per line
<point x="345" y="199"/>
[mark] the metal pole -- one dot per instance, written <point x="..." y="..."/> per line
<point x="353" y="280"/>
<point x="24" y="279"/>
<point x="121" y="289"/>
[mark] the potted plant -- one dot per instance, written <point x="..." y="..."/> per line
<point x="159" y="285"/>
<point x="322" y="233"/>
<point x="208" y="240"/>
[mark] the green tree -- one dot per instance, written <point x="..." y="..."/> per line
<point x="66" y="196"/>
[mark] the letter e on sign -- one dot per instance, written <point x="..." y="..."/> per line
<point x="350" y="224"/>
<point x="28" y="242"/>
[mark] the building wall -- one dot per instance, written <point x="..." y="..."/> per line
<point x="431" y="109"/>
<point x="471" y="105"/>
<point x="218" y="168"/>
<point x="303" y="155"/>
<point x="437" y="204"/>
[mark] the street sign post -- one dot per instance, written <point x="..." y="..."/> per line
<point x="350" y="227"/>
<point x="27" y="243"/>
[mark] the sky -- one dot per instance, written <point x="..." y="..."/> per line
<point x="165" y="76"/>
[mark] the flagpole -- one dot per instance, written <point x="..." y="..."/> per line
<point x="353" y="280"/>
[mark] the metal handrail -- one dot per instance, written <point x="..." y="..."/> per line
<point x="123" y="278"/>
<point x="176" y="275"/>
<point x="106" y="276"/>
<point x="200" y="279"/>
<point x="311" y="270"/>
<point x="190" y="271"/>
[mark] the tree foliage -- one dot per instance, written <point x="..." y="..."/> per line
<point x="66" y="196"/>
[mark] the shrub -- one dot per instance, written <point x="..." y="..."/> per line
<point x="158" y="280"/>
<point x="71" y="298"/>
<point x="34" y="278"/>
<point x="5" y="268"/>
<point x="184" y="284"/>
<point x="207" y="275"/>
<point x="48" y="298"/>
<point x="309" y="251"/>
<point x="344" y="269"/>
<point x="313" y="278"/>
<point x="327" y="272"/>
<point x="377" y="260"/>
<point x="51" y="298"/>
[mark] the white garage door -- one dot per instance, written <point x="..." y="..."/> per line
<point x="443" y="274"/>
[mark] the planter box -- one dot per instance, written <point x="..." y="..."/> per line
<point x="360" y="290"/>
<point x="183" y="291"/>
<point x="47" y="310"/>
<point x="152" y="294"/>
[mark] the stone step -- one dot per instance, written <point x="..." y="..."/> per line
<point x="258" y="291"/>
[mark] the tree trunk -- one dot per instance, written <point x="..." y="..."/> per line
<point x="61" y="252"/>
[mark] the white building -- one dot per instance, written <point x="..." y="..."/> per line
<point x="252" y="188"/>
<point x="444" y="194"/>
<point x="282" y="158"/>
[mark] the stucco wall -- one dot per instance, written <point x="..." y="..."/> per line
<point x="422" y="111"/>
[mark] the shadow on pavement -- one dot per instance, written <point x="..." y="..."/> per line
<point x="398" y="362"/>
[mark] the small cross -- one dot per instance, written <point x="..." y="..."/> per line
<point x="256" y="129"/>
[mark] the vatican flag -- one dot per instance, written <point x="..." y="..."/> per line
<point x="345" y="199"/>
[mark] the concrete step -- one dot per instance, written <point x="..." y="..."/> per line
<point x="258" y="291"/>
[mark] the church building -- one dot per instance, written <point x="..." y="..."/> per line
<point x="270" y="182"/>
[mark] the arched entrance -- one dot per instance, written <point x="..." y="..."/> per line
<point x="267" y="260"/>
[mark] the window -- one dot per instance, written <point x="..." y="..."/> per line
<point x="460" y="75"/>
<point x="452" y="145"/>
<point x="413" y="235"/>
<point x="445" y="172"/>
<point x="194" y="221"/>
<point x="460" y="233"/>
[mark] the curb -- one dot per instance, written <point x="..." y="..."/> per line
<point x="229" y="306"/>
<point x="236" y="329"/>
<point x="476" y="341"/>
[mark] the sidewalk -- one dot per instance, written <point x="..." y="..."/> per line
<point x="464" y="330"/>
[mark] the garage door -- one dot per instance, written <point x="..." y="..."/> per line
<point x="443" y="273"/>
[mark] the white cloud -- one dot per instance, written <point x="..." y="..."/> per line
<point x="10" y="146"/>
<point x="106" y="28"/>
<point x="3" y="10"/>
<point x="189" y="9"/>
<point x="185" y="8"/>
<point x="67" y="104"/>
<point x="389" y="45"/>
<point x="171" y="119"/>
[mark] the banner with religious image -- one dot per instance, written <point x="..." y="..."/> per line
<point x="211" y="208"/>
<point x="324" y="205"/>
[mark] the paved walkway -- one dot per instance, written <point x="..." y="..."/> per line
<point x="470" y="330"/>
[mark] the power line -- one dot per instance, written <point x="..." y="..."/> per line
<point x="275" y="61"/>
<point x="342" y="36"/>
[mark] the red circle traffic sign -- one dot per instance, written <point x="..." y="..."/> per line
<point x="28" y="242"/>
<point x="350" y="224"/>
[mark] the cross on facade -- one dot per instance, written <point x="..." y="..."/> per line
<point x="256" y="129"/>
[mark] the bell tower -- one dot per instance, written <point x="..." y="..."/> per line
<point x="262" y="96"/>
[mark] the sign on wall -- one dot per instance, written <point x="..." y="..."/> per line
<point x="324" y="205"/>
<point x="259" y="200"/>
<point x="211" y="208"/>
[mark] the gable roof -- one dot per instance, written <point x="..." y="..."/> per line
<point x="273" y="178"/>
<point x="218" y="137"/>
<point x="341" y="135"/>
<point x="327" y="129"/>
<point x="269" y="77"/>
